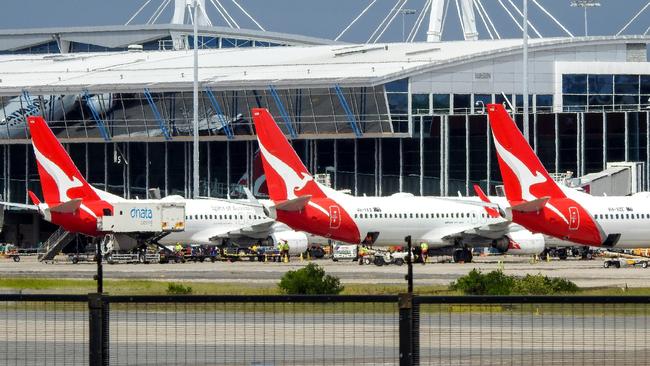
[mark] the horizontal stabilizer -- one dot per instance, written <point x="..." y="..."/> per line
<point x="20" y="206"/>
<point x="67" y="207"/>
<point x="531" y="206"/>
<point x="295" y="204"/>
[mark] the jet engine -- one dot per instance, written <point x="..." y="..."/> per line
<point x="297" y="240"/>
<point x="520" y="243"/>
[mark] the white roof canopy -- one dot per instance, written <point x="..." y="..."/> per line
<point x="255" y="68"/>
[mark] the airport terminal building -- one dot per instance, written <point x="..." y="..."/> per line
<point x="378" y="118"/>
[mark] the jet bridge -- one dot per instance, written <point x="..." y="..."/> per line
<point x="618" y="179"/>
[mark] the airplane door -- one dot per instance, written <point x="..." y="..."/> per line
<point x="335" y="217"/>
<point x="574" y="218"/>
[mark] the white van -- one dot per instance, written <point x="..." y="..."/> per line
<point x="345" y="252"/>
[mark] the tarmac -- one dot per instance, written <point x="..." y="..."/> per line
<point x="589" y="273"/>
<point x="141" y="337"/>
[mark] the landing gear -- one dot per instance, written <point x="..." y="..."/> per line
<point x="544" y="255"/>
<point x="462" y="255"/>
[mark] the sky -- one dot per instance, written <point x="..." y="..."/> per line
<point x="327" y="18"/>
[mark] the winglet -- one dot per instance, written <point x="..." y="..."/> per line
<point x="295" y="204"/>
<point x="490" y="211"/>
<point x="250" y="196"/>
<point x="33" y="197"/>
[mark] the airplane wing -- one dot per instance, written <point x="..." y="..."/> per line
<point x="470" y="202"/>
<point x="19" y="205"/>
<point x="257" y="231"/>
<point x="483" y="233"/>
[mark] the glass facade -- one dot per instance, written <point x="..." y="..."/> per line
<point x="605" y="92"/>
<point x="164" y="43"/>
<point x="221" y="113"/>
<point x="446" y="155"/>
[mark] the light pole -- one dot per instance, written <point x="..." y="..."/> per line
<point x="404" y="13"/>
<point x="585" y="4"/>
<point x="525" y="73"/>
<point x="195" y="126"/>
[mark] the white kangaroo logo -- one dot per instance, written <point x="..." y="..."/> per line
<point x="525" y="177"/>
<point x="292" y="181"/>
<point x="289" y="176"/>
<point x="63" y="182"/>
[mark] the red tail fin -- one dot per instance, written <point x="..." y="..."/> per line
<point x="524" y="176"/>
<point x="61" y="181"/>
<point x="286" y="176"/>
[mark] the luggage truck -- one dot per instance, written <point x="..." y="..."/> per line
<point x="135" y="226"/>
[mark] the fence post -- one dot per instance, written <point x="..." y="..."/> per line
<point x="415" y="330"/>
<point x="98" y="330"/>
<point x="406" y="329"/>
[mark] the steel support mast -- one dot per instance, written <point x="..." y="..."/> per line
<point x="195" y="129"/>
<point x="525" y="73"/>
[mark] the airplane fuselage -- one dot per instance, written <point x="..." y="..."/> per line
<point x="386" y="220"/>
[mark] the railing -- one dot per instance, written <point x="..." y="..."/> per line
<point x="332" y="330"/>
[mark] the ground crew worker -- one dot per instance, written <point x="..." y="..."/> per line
<point x="362" y="253"/>
<point x="424" y="251"/>
<point x="286" y="250"/>
<point x="178" y="248"/>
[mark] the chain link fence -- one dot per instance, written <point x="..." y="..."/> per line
<point x="323" y="330"/>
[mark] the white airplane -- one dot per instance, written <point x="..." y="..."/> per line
<point x="541" y="205"/>
<point x="70" y="202"/>
<point x="304" y="204"/>
<point x="14" y="114"/>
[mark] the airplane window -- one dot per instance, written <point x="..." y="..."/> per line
<point x="411" y="215"/>
<point x="616" y="216"/>
<point x="427" y="216"/>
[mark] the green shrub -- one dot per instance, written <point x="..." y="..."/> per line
<point x="310" y="280"/>
<point x="178" y="289"/>
<point x="498" y="283"/>
<point x="477" y="283"/>
<point x="542" y="285"/>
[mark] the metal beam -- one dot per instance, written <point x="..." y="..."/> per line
<point x="283" y="111"/>
<point x="348" y="111"/>
<point x="157" y="115"/>
<point x="98" y="120"/>
<point x="219" y="112"/>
